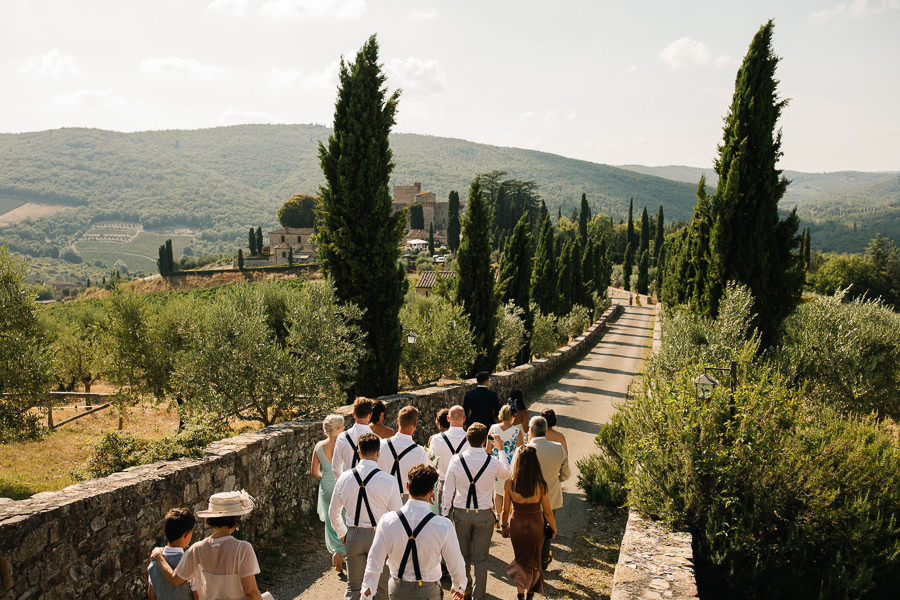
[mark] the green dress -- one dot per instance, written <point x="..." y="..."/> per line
<point x="326" y="488"/>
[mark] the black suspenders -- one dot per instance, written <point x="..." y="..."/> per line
<point x="395" y="470"/>
<point x="362" y="497"/>
<point x="453" y="450"/>
<point x="411" y="548"/>
<point x="473" y="496"/>
<point x="355" y="460"/>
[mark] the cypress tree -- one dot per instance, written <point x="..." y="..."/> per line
<point x="290" y="255"/>
<point x="240" y="259"/>
<point x="514" y="278"/>
<point x="603" y="266"/>
<point x="359" y="234"/>
<point x="660" y="268"/>
<point x="475" y="278"/>
<point x="644" y="245"/>
<point x="643" y="281"/>
<point x="416" y="216"/>
<point x="564" y="279"/>
<point x="162" y="262"/>
<point x="170" y="257"/>
<point x="584" y="217"/>
<point x="453" y="222"/>
<point x="259" y="240"/>
<point x="698" y="253"/>
<point x="543" y="278"/>
<point x="659" y="240"/>
<point x="630" y="238"/>
<point x="750" y="244"/>
<point x="251" y="239"/>
<point x="628" y="266"/>
<point x="807" y="253"/>
<point x="431" y="238"/>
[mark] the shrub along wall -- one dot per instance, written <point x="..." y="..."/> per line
<point x="93" y="539"/>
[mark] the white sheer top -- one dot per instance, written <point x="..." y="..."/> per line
<point x="216" y="566"/>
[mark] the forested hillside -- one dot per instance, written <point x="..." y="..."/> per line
<point x="843" y="210"/>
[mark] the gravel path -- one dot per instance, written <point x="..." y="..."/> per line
<point x="586" y="549"/>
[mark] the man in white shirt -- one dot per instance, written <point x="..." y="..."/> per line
<point x="401" y="453"/>
<point x="414" y="539"/>
<point x="366" y="493"/>
<point x="449" y="443"/>
<point x="345" y="449"/>
<point x="555" y="469"/>
<point x="469" y="491"/>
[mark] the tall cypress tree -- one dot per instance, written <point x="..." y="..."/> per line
<point x="475" y="277"/>
<point x="660" y="269"/>
<point x="359" y="233"/>
<point x="416" y="216"/>
<point x="453" y="221"/>
<point x="259" y="240"/>
<point x="628" y="266"/>
<point x="240" y="259"/>
<point x="659" y="240"/>
<point x="170" y="257"/>
<point x="643" y="280"/>
<point x="584" y="217"/>
<point x="251" y="241"/>
<point x="750" y="244"/>
<point x="644" y="245"/>
<point x="514" y="277"/>
<point x="162" y="263"/>
<point x="629" y="237"/>
<point x="543" y="278"/>
<point x="807" y="253"/>
<point x="565" y="277"/>
<point x="698" y="254"/>
<point x="431" y="238"/>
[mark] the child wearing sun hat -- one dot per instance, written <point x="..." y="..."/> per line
<point x="221" y="567"/>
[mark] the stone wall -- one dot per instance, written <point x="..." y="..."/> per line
<point x="93" y="539"/>
<point x="654" y="562"/>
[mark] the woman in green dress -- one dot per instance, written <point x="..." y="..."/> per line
<point x="321" y="470"/>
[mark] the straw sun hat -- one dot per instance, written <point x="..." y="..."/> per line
<point x="228" y="504"/>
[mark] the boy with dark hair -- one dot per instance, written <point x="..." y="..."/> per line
<point x="179" y="528"/>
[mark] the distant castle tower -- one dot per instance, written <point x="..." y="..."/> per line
<point x="433" y="211"/>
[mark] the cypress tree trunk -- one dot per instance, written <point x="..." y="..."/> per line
<point x="359" y="233"/>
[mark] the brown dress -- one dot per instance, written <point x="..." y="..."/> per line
<point x="526" y="531"/>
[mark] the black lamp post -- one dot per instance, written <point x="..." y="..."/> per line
<point x="705" y="383"/>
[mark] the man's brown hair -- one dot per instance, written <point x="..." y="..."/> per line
<point x="476" y="434"/>
<point x="409" y="415"/>
<point x="368" y="444"/>
<point x="362" y="407"/>
<point x="421" y="480"/>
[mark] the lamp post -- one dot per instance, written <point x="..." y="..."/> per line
<point x="411" y="336"/>
<point x="705" y="383"/>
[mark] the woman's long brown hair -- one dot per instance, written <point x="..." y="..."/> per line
<point x="527" y="478"/>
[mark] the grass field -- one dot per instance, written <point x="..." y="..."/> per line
<point x="139" y="254"/>
<point x="8" y="204"/>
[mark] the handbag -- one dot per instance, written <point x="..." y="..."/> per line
<point x="548" y="531"/>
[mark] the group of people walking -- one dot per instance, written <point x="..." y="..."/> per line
<point x="398" y="516"/>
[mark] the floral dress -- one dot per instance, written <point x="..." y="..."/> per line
<point x="509" y="437"/>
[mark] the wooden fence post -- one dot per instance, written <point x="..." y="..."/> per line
<point x="49" y="412"/>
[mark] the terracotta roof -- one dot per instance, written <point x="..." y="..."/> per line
<point x="294" y="231"/>
<point x="428" y="278"/>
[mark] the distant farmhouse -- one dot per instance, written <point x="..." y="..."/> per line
<point x="433" y="211"/>
<point x="297" y="238"/>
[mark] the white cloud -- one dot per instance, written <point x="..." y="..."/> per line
<point x="282" y="78"/>
<point x="726" y="61"/>
<point x="424" y="15"/>
<point x="341" y="9"/>
<point x="51" y="64"/>
<point x="631" y="69"/>
<point x="234" y="116"/>
<point x="90" y="98"/>
<point x="417" y="76"/>
<point x="685" y="52"/>
<point x="326" y="79"/>
<point x="237" y="8"/>
<point x="181" y="66"/>
<point x="857" y="8"/>
<point x="549" y="116"/>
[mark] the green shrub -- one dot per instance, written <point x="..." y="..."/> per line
<point x="602" y="476"/>
<point x="114" y="452"/>
<point x="545" y="334"/>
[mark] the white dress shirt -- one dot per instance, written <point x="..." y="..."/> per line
<point x="456" y="486"/>
<point x="416" y="456"/>
<point x="343" y="453"/>
<point x="381" y="492"/>
<point x="442" y="451"/>
<point x="437" y="538"/>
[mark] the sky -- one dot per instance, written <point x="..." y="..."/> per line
<point x="614" y="82"/>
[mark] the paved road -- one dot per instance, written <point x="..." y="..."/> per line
<point x="583" y="397"/>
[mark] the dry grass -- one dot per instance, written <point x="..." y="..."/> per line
<point x="590" y="574"/>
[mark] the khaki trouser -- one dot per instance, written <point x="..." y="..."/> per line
<point x="411" y="590"/>
<point x="474" y="529"/>
<point x="357" y="544"/>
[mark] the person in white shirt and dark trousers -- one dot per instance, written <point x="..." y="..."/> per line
<point x="400" y="452"/>
<point x="413" y="539"/>
<point x="447" y="444"/>
<point x="469" y="491"/>
<point x="366" y="493"/>
<point x="345" y="448"/>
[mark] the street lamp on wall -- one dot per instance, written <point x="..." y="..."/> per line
<point x="706" y="383"/>
<point x="411" y="336"/>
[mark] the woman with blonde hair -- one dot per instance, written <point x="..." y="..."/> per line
<point x="526" y="496"/>
<point x="510" y="437"/>
<point x="320" y="468"/>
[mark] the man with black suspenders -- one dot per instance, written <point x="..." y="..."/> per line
<point x="448" y="444"/>
<point x="413" y="539"/>
<point x="469" y="491"/>
<point x="366" y="493"/>
<point x="400" y="453"/>
<point x="345" y="452"/>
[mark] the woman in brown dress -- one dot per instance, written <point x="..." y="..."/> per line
<point x="525" y="492"/>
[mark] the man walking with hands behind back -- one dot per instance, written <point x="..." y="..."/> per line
<point x="482" y="405"/>
<point x="555" y="469"/>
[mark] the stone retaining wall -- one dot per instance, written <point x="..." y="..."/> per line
<point x="654" y="562"/>
<point x="92" y="540"/>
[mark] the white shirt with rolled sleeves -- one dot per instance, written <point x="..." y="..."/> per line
<point x="343" y="453"/>
<point x="437" y="539"/>
<point x="442" y="451"/>
<point x="456" y="486"/>
<point x="381" y="491"/>
<point x="416" y="456"/>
